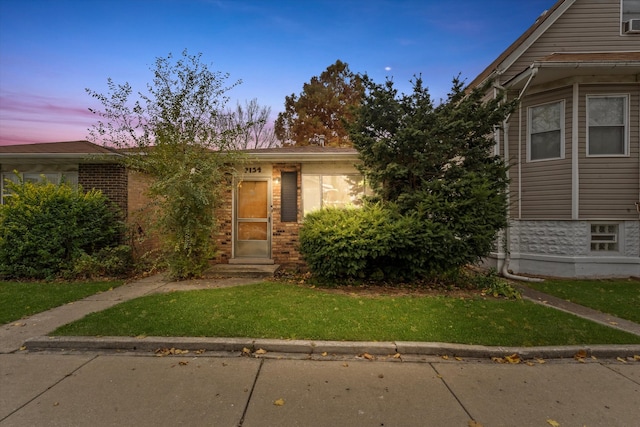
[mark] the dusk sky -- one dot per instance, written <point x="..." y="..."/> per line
<point x="51" y="50"/>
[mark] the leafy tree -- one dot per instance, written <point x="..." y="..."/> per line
<point x="173" y="131"/>
<point x="248" y="123"/>
<point x="434" y="163"/>
<point x="321" y="108"/>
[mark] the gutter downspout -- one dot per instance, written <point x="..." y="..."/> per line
<point x="507" y="234"/>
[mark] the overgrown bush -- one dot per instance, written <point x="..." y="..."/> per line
<point x="380" y="242"/>
<point x="373" y="242"/>
<point x="46" y="228"/>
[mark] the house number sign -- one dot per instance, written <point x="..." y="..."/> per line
<point x="253" y="170"/>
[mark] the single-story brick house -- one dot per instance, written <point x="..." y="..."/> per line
<point x="262" y="211"/>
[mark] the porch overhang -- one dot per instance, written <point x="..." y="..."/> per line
<point x="624" y="66"/>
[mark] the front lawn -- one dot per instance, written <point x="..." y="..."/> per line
<point x="18" y="300"/>
<point x="620" y="297"/>
<point x="286" y="311"/>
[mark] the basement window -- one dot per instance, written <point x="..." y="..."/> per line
<point x="604" y="237"/>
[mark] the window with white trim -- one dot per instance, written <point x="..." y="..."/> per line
<point x="70" y="178"/>
<point x="321" y="191"/>
<point x="630" y="10"/>
<point x="607" y="130"/>
<point x="604" y="237"/>
<point x="546" y="131"/>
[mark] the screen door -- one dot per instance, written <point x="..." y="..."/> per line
<point x="253" y="234"/>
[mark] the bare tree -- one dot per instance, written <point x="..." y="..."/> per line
<point x="249" y="126"/>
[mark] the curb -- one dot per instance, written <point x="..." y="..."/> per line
<point x="151" y="344"/>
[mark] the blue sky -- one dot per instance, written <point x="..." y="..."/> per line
<point x="51" y="50"/>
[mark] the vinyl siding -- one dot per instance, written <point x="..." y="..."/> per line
<point x="546" y="185"/>
<point x="587" y="26"/>
<point x="610" y="186"/>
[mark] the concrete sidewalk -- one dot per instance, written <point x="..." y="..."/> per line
<point x="111" y="389"/>
<point x="114" y="381"/>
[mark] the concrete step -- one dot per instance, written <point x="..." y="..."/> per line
<point x="242" y="270"/>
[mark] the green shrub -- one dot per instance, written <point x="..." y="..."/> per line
<point x="491" y="284"/>
<point x="379" y="242"/>
<point x="108" y="262"/>
<point x="373" y="242"/>
<point x="45" y="228"/>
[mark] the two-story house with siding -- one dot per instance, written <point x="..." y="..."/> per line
<point x="573" y="144"/>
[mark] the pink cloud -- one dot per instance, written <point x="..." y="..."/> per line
<point x="29" y="118"/>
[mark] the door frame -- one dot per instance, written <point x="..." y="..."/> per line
<point x="236" y="220"/>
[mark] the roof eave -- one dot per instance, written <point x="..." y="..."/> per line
<point x="304" y="157"/>
<point x="59" y="156"/>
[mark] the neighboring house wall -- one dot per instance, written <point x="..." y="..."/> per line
<point x="545" y="184"/>
<point x="586" y="26"/>
<point x="573" y="214"/>
<point x="609" y="186"/>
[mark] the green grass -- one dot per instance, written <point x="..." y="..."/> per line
<point x="619" y="297"/>
<point x="18" y="299"/>
<point x="285" y="311"/>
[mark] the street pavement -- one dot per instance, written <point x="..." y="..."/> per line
<point x="106" y="381"/>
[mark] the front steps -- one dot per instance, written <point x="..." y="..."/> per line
<point x="242" y="270"/>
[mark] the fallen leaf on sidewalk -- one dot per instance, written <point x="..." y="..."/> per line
<point x="473" y="423"/>
<point x="367" y="356"/>
<point x="620" y="359"/>
<point x="636" y="358"/>
<point x="261" y="351"/>
<point x="23" y="348"/>
<point x="170" y="351"/>
<point x="246" y="351"/>
<point x="445" y="357"/>
<point x="540" y="361"/>
<point x="279" y="402"/>
<point x="580" y="356"/>
<point x="553" y="423"/>
<point x="512" y="359"/>
<point x="397" y="356"/>
<point x="324" y="354"/>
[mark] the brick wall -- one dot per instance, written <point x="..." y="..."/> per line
<point x="224" y="216"/>
<point x="284" y="238"/>
<point x="141" y="214"/>
<point x="109" y="178"/>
